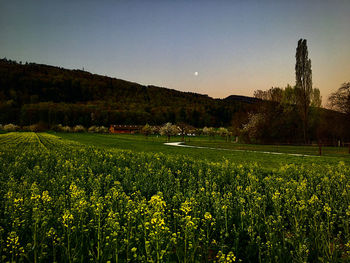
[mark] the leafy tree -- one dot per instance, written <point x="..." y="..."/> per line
<point x="303" y="83"/>
<point x="316" y="98"/>
<point x="281" y="117"/>
<point x="289" y="95"/>
<point x="273" y="94"/>
<point x="147" y="130"/>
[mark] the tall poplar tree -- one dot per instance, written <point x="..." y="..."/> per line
<point x="303" y="85"/>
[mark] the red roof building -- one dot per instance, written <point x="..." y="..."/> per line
<point x="128" y="129"/>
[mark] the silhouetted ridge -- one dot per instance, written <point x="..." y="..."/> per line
<point x="242" y="99"/>
<point x="31" y="93"/>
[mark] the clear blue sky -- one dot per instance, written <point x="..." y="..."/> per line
<point x="235" y="46"/>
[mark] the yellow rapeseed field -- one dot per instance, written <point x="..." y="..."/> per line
<point x="65" y="202"/>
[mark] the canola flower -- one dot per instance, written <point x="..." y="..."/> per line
<point x="61" y="201"/>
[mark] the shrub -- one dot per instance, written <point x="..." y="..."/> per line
<point x="66" y="129"/>
<point x="11" y="127"/>
<point x="78" y="128"/>
<point x="101" y="129"/>
<point x="92" y="129"/>
<point x="147" y="130"/>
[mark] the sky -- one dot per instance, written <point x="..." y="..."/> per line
<point x="213" y="47"/>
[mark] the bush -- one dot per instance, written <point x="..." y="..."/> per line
<point x="147" y="130"/>
<point x="92" y="129"/>
<point x="101" y="129"/>
<point x="78" y="128"/>
<point x="11" y="127"/>
<point x="66" y="129"/>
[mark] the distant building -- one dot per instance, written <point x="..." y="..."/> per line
<point x="130" y="129"/>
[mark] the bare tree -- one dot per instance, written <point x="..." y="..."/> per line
<point x="184" y="129"/>
<point x="340" y="100"/>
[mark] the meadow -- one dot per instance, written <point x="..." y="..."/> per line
<point x="99" y="198"/>
<point x="246" y="154"/>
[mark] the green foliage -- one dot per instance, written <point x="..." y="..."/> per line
<point x="62" y="201"/>
<point x="303" y="84"/>
<point x="147" y="130"/>
<point x="277" y="119"/>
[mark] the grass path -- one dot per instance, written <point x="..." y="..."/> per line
<point x="181" y="144"/>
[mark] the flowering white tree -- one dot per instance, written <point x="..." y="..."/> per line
<point x="205" y="130"/>
<point x="169" y="130"/>
<point x="223" y="132"/>
<point x="254" y="126"/>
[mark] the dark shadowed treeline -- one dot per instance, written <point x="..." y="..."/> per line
<point x="277" y="120"/>
<point x="32" y="93"/>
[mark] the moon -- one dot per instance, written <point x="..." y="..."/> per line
<point x="196" y="73"/>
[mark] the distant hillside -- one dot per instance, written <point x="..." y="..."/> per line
<point x="31" y="93"/>
<point x="245" y="99"/>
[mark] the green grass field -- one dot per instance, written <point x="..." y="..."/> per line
<point x="332" y="155"/>
<point x="124" y="198"/>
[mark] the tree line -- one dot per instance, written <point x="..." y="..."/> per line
<point x="295" y="113"/>
<point x="47" y="96"/>
<point x="31" y="93"/>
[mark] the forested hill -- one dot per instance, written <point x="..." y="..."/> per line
<point x="250" y="100"/>
<point x="32" y="93"/>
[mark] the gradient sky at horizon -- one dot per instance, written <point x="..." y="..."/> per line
<point x="235" y="46"/>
